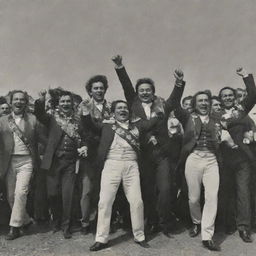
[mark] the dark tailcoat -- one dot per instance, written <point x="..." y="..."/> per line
<point x="107" y="134"/>
<point x="160" y="131"/>
<point x="192" y="124"/>
<point x="55" y="134"/>
<point x="239" y="126"/>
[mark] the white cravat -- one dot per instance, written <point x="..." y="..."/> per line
<point x="99" y="105"/>
<point x="17" y="118"/>
<point x="147" y="109"/>
<point x="204" y="119"/>
<point x="119" y="142"/>
<point x="124" y="125"/>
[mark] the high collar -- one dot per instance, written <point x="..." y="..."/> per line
<point x="144" y="104"/>
<point x="124" y="125"/>
<point x="204" y="119"/>
<point x="15" y="116"/>
<point x="98" y="102"/>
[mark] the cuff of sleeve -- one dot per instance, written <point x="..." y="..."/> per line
<point x="179" y="83"/>
<point x="119" y="67"/>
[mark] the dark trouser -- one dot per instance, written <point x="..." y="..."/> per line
<point x="157" y="190"/>
<point x="86" y="176"/>
<point x="60" y="188"/>
<point x="237" y="180"/>
<point x="40" y="196"/>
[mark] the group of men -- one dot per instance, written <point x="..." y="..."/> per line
<point x="157" y="149"/>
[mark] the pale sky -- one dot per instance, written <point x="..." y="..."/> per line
<point x="64" y="42"/>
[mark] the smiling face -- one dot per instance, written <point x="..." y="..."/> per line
<point x="227" y="97"/>
<point x="145" y="93"/>
<point x="66" y="104"/>
<point x="216" y="106"/>
<point x="19" y="103"/>
<point x="121" y="112"/>
<point x="241" y="95"/>
<point x="98" y="91"/>
<point x="4" y="109"/>
<point x="202" y="104"/>
<point x="187" y="105"/>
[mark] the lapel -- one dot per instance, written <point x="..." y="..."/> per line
<point x="110" y="135"/>
<point x="105" y="108"/>
<point x="197" y="123"/>
<point x="139" y="110"/>
<point x="27" y="127"/>
<point x="8" y="135"/>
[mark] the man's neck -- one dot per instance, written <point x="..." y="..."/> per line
<point x="147" y="103"/>
<point x="17" y="114"/>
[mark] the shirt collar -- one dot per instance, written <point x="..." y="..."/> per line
<point x="98" y="103"/>
<point x="124" y="125"/>
<point x="204" y="119"/>
<point x="144" y="104"/>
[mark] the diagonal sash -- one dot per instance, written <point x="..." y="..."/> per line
<point x="15" y="128"/>
<point x="69" y="128"/>
<point x="131" y="136"/>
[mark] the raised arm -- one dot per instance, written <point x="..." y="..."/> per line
<point x="250" y="100"/>
<point x="174" y="99"/>
<point x="126" y="83"/>
<point x="40" y="112"/>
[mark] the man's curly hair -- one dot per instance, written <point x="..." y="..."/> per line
<point x="95" y="79"/>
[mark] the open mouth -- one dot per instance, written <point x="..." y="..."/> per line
<point x="99" y="95"/>
<point x="124" y="114"/>
<point x="203" y="109"/>
<point x="66" y="108"/>
<point x="18" y="106"/>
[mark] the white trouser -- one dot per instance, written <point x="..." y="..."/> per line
<point x="203" y="169"/>
<point x="17" y="179"/>
<point x="113" y="174"/>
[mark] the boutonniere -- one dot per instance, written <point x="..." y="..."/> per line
<point x="135" y="131"/>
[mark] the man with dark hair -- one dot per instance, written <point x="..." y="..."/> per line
<point x="95" y="92"/>
<point x="89" y="176"/>
<point x="4" y="107"/>
<point x="186" y="103"/>
<point x="240" y="94"/>
<point x="238" y="160"/>
<point x="200" y="155"/>
<point x="215" y="104"/>
<point x="118" y="155"/>
<point x="66" y="143"/>
<point x="18" y="158"/>
<point x="157" y="175"/>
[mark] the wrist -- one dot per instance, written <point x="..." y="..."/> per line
<point x="119" y="66"/>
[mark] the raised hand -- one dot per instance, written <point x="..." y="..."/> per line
<point x="241" y="72"/>
<point x="85" y="107"/>
<point x="178" y="74"/>
<point x="117" y="60"/>
<point x="42" y="95"/>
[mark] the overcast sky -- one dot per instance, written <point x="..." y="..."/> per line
<point x="64" y="42"/>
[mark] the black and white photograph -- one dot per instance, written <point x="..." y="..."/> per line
<point x="127" y="127"/>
